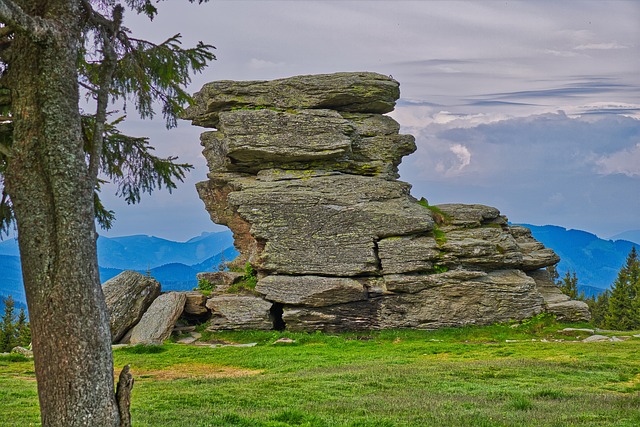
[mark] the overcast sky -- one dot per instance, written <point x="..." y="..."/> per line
<point x="532" y="107"/>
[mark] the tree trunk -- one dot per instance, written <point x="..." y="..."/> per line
<point x="48" y="182"/>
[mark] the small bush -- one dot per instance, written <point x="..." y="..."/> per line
<point x="205" y="286"/>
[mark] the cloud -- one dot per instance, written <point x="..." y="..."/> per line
<point x="543" y="169"/>
<point x="601" y="46"/>
<point x="463" y="154"/>
<point x="626" y="162"/>
<point x="261" y="64"/>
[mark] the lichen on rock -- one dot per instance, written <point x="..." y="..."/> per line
<point x="304" y="171"/>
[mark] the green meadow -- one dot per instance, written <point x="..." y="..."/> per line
<point x="530" y="374"/>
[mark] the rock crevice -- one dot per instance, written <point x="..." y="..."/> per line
<point x="304" y="171"/>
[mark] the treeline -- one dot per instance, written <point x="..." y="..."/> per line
<point x="616" y="308"/>
<point x="14" y="330"/>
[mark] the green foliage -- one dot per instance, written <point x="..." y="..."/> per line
<point x="205" y="286"/>
<point x="438" y="216"/>
<point x="439" y="235"/>
<point x="569" y="286"/>
<point x="624" y="299"/>
<point x="23" y="329"/>
<point x="114" y="66"/>
<point x="248" y="282"/>
<point x="619" y="307"/>
<point x="439" y="269"/>
<point x="8" y="330"/>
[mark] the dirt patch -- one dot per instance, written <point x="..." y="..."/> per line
<point x="191" y="370"/>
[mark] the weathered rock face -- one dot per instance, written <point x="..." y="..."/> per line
<point x="304" y="172"/>
<point x="158" y="321"/>
<point x="128" y="295"/>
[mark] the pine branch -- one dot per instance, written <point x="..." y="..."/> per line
<point x="108" y="32"/>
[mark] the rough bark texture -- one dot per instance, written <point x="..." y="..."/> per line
<point x="52" y="196"/>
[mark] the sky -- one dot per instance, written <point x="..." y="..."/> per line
<point x="529" y="106"/>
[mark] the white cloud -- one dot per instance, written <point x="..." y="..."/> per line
<point x="626" y="162"/>
<point x="601" y="46"/>
<point x="463" y="154"/>
<point x="262" y="64"/>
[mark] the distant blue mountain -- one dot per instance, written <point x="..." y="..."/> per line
<point x="173" y="264"/>
<point x="630" y="235"/>
<point x="595" y="261"/>
<point x="145" y="252"/>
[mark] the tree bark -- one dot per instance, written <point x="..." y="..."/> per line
<point x="48" y="182"/>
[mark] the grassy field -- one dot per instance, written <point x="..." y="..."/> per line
<point x="531" y="374"/>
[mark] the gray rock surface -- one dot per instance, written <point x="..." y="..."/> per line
<point x="304" y="172"/>
<point x="353" y="92"/>
<point x="158" y="321"/>
<point x="128" y="296"/>
<point x="311" y="291"/>
<point x="557" y="303"/>
<point x="239" y="312"/>
<point x="195" y="303"/>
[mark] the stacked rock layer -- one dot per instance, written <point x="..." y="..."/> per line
<point x="304" y="172"/>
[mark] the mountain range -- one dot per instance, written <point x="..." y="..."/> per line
<point x="595" y="261"/>
<point x="173" y="264"/>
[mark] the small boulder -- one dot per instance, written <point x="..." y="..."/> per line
<point x="128" y="295"/>
<point x="157" y="323"/>
<point x="239" y="312"/>
<point x="311" y="291"/>
<point x="23" y="351"/>
<point x="195" y="304"/>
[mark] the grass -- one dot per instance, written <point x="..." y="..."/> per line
<point x="453" y="377"/>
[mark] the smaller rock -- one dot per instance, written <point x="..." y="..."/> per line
<point x="190" y="339"/>
<point x="23" y="351"/>
<point x="570" y="311"/>
<point x="284" y="340"/>
<point x="128" y="296"/>
<point x="591" y="331"/>
<point x="463" y="215"/>
<point x="596" y="338"/>
<point x="195" y="304"/>
<point x="239" y="312"/>
<point x="158" y="322"/>
<point x="311" y="291"/>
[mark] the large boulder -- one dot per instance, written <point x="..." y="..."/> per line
<point x="304" y="171"/>
<point x="128" y="295"/>
<point x="157" y="323"/>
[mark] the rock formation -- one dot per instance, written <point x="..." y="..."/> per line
<point x="158" y="321"/>
<point x="128" y="296"/>
<point x="304" y="172"/>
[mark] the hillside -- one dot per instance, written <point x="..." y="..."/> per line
<point x="630" y="235"/>
<point x="173" y="264"/>
<point x="595" y="261"/>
